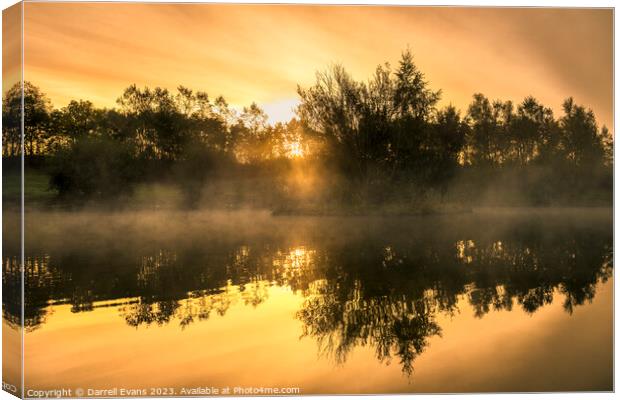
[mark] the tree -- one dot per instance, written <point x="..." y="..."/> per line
<point x="481" y="141"/>
<point x="525" y="131"/>
<point x="412" y="96"/>
<point x="11" y="121"/>
<point x="375" y="133"/>
<point x="93" y="168"/>
<point x="158" y="129"/>
<point x="414" y="104"/>
<point x="449" y="135"/>
<point x="581" y="142"/>
<point x="607" y="142"/>
<point x="78" y="120"/>
<point x="331" y="110"/>
<point x="255" y="136"/>
<point x="36" y="109"/>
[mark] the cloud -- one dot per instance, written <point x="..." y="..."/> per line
<point x="261" y="52"/>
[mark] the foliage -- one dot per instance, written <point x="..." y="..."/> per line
<point x="381" y="141"/>
<point x="93" y="168"/>
<point x="380" y="132"/>
<point x="36" y="107"/>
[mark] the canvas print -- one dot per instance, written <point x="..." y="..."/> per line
<point x="235" y="199"/>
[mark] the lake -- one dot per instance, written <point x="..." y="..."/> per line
<point x="170" y="301"/>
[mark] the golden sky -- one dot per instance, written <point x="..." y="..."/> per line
<point x="11" y="46"/>
<point x="261" y="52"/>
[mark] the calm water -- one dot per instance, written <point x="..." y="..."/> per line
<point x="496" y="300"/>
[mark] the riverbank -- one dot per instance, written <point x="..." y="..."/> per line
<point x="256" y="194"/>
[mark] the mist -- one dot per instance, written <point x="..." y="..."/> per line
<point x="381" y="146"/>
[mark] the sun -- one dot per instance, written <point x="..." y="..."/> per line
<point x="294" y="150"/>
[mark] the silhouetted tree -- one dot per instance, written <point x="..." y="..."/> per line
<point x="93" y="168"/>
<point x="581" y="143"/>
<point x="36" y="114"/>
<point x="377" y="132"/>
<point x="448" y="140"/>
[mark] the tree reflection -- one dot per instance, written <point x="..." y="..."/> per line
<point x="393" y="325"/>
<point x="382" y="287"/>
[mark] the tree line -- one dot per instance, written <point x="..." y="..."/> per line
<point x="378" y="141"/>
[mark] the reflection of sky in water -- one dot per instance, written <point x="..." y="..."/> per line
<point x="390" y="303"/>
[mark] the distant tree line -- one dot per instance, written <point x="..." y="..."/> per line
<point x="389" y="131"/>
<point x="93" y="152"/>
<point x="375" y="142"/>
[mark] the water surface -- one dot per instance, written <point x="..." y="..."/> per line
<point x="496" y="300"/>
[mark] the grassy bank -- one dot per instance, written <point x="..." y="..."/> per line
<point x="36" y="187"/>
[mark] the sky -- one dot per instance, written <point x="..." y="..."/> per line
<point x="260" y="53"/>
<point x="11" y="46"/>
